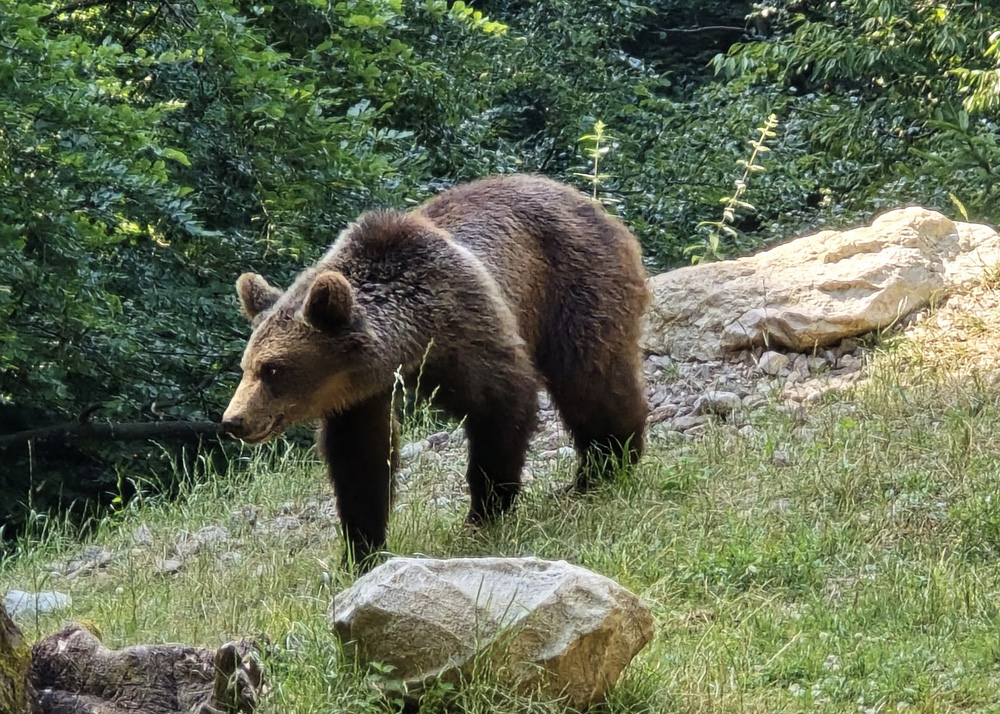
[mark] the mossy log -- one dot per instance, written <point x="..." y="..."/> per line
<point x="71" y="672"/>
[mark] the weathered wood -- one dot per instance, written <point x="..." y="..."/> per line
<point x="74" y="673"/>
<point x="14" y="660"/>
<point x="71" y="672"/>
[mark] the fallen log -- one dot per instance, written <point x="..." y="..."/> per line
<point x="71" y="672"/>
<point x="131" y="431"/>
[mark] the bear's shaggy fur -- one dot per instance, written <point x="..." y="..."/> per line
<point x="489" y="291"/>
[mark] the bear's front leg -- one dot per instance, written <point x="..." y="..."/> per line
<point x="498" y="441"/>
<point x="360" y="446"/>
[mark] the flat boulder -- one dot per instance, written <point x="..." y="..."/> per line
<point x="531" y="624"/>
<point x="818" y="289"/>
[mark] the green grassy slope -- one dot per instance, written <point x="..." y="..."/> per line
<point x="844" y="558"/>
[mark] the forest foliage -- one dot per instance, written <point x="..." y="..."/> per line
<point x="151" y="150"/>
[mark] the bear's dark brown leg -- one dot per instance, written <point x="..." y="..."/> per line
<point x="498" y="441"/>
<point x="606" y="414"/>
<point x="361" y="450"/>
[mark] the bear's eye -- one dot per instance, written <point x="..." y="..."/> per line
<point x="269" y="371"/>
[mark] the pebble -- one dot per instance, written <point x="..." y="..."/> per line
<point x="21" y="604"/>
<point x="186" y="548"/>
<point x="247" y="514"/>
<point x="780" y="459"/>
<point x="850" y="362"/>
<point x="748" y="432"/>
<point x="717" y="402"/>
<point x="412" y="449"/>
<point x="817" y="364"/>
<point x="89" y="559"/>
<point x="663" y="413"/>
<point x="686" y="423"/>
<point x="231" y="557"/>
<point x="169" y="565"/>
<point x="848" y="346"/>
<point x="438" y="439"/>
<point x="142" y="535"/>
<point x="772" y="363"/>
<point x="209" y="535"/>
<point x="287" y="523"/>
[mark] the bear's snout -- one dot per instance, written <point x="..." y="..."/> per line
<point x="234" y="425"/>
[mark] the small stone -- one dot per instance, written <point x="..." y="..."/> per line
<point x="754" y="401"/>
<point x="660" y="360"/>
<point x="717" y="402"/>
<point x="210" y="535"/>
<point x="89" y="559"/>
<point x="412" y="449"/>
<point x="658" y="397"/>
<point x="186" y="548"/>
<point x="429" y="458"/>
<point x="848" y="346"/>
<point x="231" y="558"/>
<point x="686" y="423"/>
<point x="563" y="452"/>
<point x="142" y="535"/>
<point x="442" y="502"/>
<point x="800" y="365"/>
<point x="21" y="604"/>
<point x="748" y="432"/>
<point x="850" y="362"/>
<point x="287" y="508"/>
<point x="772" y="363"/>
<point x="287" y="523"/>
<point x="247" y="514"/>
<point x="169" y="565"/>
<point x="663" y="413"/>
<point x="817" y="364"/>
<point x="438" y="439"/>
<point x="780" y="459"/>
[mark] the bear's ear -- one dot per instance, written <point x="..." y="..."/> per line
<point x="256" y="295"/>
<point x="329" y="301"/>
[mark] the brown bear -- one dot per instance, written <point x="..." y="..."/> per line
<point x="487" y="292"/>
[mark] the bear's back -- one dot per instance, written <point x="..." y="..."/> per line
<point x="552" y="250"/>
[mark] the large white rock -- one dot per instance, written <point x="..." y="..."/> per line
<point x="528" y="622"/>
<point x="818" y="289"/>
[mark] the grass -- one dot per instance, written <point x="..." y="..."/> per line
<point x="857" y="572"/>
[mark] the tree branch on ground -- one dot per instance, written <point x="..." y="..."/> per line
<point x="131" y="431"/>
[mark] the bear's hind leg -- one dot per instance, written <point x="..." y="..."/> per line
<point x="498" y="441"/>
<point x="361" y="451"/>
<point x="606" y="415"/>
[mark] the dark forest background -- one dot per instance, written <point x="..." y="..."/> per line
<point x="150" y="151"/>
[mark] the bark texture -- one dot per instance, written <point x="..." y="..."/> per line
<point x="71" y="672"/>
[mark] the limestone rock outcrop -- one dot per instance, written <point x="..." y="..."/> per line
<point x="818" y="289"/>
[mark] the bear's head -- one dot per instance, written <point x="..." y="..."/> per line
<point x="305" y="358"/>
